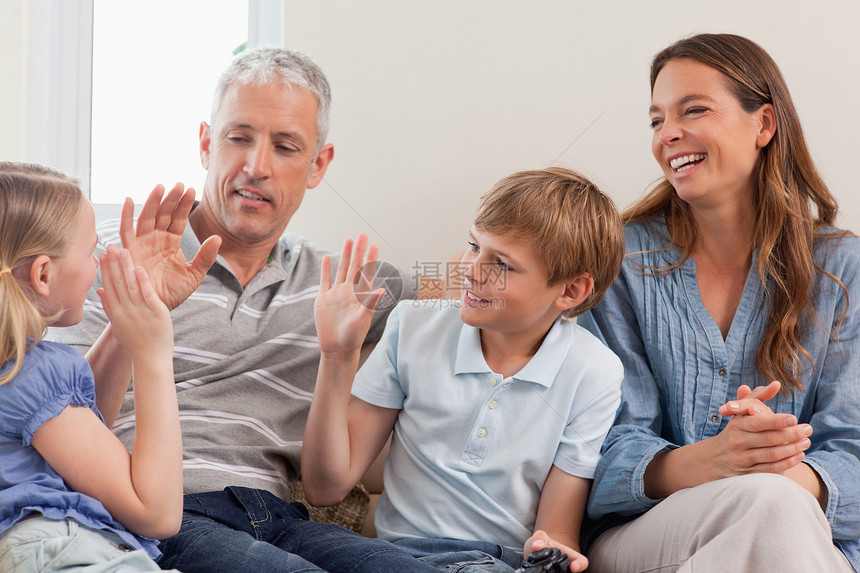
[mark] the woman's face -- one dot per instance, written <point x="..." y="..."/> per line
<point x="706" y="144"/>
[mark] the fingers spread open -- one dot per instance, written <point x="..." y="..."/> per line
<point x="206" y="256"/>
<point x="167" y="207"/>
<point x="344" y="262"/>
<point x="357" y="258"/>
<point x="325" y="274"/>
<point x="129" y="279"/>
<point x="181" y="211"/>
<point x="146" y="218"/>
<point x="126" y="223"/>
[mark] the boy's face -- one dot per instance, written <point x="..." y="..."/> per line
<point x="505" y="286"/>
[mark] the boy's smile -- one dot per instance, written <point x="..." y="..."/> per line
<point x="505" y="290"/>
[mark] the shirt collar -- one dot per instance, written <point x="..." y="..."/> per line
<point x="542" y="369"/>
<point x="282" y="252"/>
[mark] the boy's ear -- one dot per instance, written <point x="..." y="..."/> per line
<point x="575" y="292"/>
<point x="40" y="275"/>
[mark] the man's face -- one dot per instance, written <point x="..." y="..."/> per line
<point x="260" y="156"/>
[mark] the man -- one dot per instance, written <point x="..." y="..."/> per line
<point x="246" y="352"/>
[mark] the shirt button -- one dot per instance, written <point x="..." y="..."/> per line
<point x="715" y="418"/>
<point x="492" y="381"/>
<point x="721" y="372"/>
<point x="493" y="404"/>
<point x="482" y="433"/>
<point x="125" y="548"/>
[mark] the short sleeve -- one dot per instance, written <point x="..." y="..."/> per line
<point x="377" y="382"/>
<point x="53" y="377"/>
<point x="594" y="407"/>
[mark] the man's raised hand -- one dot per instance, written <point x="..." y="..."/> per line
<point x="154" y="243"/>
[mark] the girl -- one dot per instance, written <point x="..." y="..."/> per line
<point x="70" y="494"/>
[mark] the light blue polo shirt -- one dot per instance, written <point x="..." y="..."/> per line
<point x="471" y="450"/>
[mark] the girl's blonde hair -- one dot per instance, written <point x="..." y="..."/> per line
<point x="38" y="209"/>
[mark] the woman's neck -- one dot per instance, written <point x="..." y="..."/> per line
<point x="725" y="236"/>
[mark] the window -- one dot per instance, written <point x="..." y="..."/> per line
<point x="127" y="84"/>
<point x="155" y="64"/>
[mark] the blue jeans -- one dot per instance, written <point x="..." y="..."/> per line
<point x="251" y="530"/>
<point x="459" y="556"/>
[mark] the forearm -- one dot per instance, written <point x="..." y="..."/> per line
<point x="328" y="472"/>
<point x="156" y="457"/>
<point x="808" y="479"/>
<point x="677" y="469"/>
<point x="559" y="516"/>
<point x="112" y="369"/>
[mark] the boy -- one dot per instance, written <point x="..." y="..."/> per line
<point x="499" y="407"/>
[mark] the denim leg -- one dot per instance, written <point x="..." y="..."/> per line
<point x="329" y="546"/>
<point x="242" y="529"/>
<point x="217" y="534"/>
<point x="461" y="556"/>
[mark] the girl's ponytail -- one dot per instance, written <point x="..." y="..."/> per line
<point x="38" y="208"/>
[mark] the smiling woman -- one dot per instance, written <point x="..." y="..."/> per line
<point x="736" y="318"/>
<point x="704" y="140"/>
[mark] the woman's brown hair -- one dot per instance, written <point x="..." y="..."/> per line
<point x="793" y="205"/>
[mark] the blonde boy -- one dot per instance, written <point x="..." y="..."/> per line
<point x="498" y="405"/>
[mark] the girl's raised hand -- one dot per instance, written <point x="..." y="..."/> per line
<point x="140" y="320"/>
<point x="344" y="308"/>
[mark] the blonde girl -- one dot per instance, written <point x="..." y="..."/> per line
<point x="71" y="496"/>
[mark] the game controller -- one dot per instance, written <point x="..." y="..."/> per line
<point x="546" y="560"/>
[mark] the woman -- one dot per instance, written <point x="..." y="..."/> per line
<point x="734" y="278"/>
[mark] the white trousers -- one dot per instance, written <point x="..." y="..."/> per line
<point x="41" y="545"/>
<point x="758" y="522"/>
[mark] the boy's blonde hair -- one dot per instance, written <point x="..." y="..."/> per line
<point x="38" y="209"/>
<point x="575" y="227"/>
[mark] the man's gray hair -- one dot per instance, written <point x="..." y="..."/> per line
<point x="264" y="65"/>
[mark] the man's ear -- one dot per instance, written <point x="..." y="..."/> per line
<point x="205" y="142"/>
<point x="320" y="164"/>
<point x="575" y="292"/>
<point x="768" y="125"/>
<point x="40" y="275"/>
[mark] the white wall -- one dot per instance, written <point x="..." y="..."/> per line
<point x="13" y="94"/>
<point x="435" y="100"/>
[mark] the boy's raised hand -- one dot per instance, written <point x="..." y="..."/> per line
<point x="140" y="320"/>
<point x="155" y="243"/>
<point x="344" y="308"/>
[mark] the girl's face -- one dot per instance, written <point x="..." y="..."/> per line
<point x="705" y="142"/>
<point x="73" y="273"/>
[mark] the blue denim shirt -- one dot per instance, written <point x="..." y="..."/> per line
<point x="679" y="370"/>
